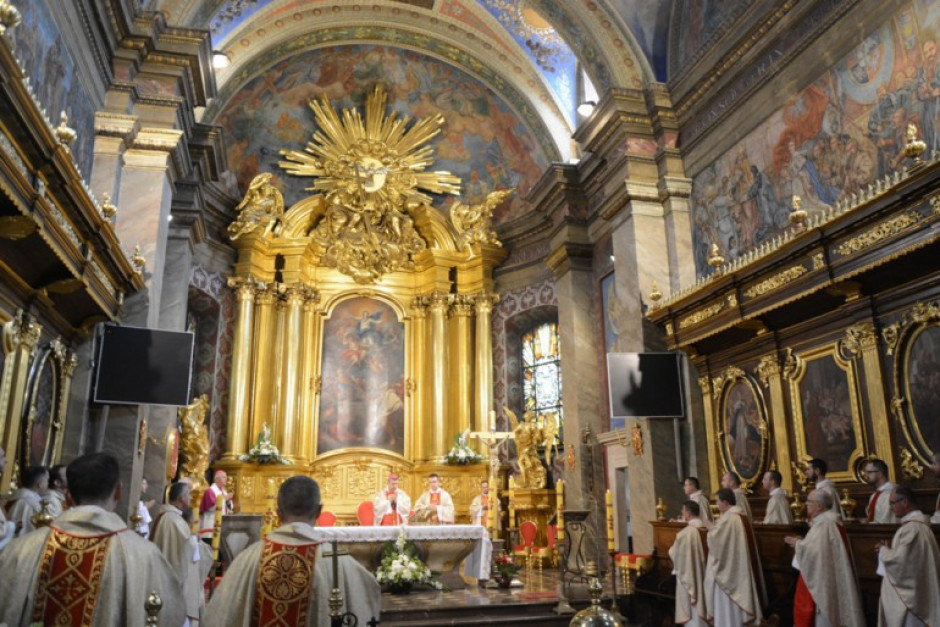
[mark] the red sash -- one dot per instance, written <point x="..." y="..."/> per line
<point x="285" y="582"/>
<point x="69" y="578"/>
<point x="871" y="505"/>
<point x="392" y="518"/>
<point x="804" y="608"/>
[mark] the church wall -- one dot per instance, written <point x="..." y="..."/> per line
<point x="53" y="73"/>
<point x="828" y="141"/>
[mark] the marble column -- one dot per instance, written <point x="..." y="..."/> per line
<point x="239" y="407"/>
<point x="461" y="400"/>
<point x="483" y="305"/>
<point x="288" y="423"/>
<point x="439" y="303"/>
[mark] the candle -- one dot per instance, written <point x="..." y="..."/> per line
<point x="492" y="420"/>
<point x="610" y="522"/>
<point x="335" y="565"/>
<point x="560" y="508"/>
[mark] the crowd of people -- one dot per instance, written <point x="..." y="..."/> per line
<point x="719" y="576"/>
<point x="88" y="567"/>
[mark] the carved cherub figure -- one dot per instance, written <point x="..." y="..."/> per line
<point x="262" y="207"/>
<point x="474" y="223"/>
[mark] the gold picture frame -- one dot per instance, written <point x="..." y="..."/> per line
<point x="826" y="410"/>
<point x="743" y="432"/>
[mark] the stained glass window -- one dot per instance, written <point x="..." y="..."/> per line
<point x="541" y="373"/>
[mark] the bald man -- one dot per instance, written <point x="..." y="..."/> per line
<point x="210" y="501"/>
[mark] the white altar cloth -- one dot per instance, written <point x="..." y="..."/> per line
<point x="442" y="547"/>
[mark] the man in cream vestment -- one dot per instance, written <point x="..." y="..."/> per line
<point x="910" y="565"/>
<point x="732" y="481"/>
<point x="827" y="590"/>
<point x="392" y="505"/>
<point x="87" y="568"/>
<point x="734" y="583"/>
<point x="284" y="579"/>
<point x="435" y="506"/>
<point x="58" y="485"/>
<point x="27" y="501"/>
<point x="778" y="506"/>
<point x="174" y="537"/>
<point x="688" y="558"/>
<point x="692" y="489"/>
<point x="879" y="510"/>
<point x="816" y="470"/>
<point x="484" y="507"/>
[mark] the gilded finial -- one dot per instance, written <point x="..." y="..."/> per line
<point x="798" y="215"/>
<point x="64" y="133"/>
<point x="153" y="605"/>
<point x="108" y="210"/>
<point x="914" y="147"/>
<point x="138" y="260"/>
<point x="43" y="518"/>
<point x="715" y="260"/>
<point x="135" y="519"/>
<point x="9" y="16"/>
<point x="848" y="506"/>
<point x="660" y="509"/>
<point x="655" y="294"/>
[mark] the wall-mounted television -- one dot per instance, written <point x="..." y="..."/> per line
<point x="138" y="366"/>
<point x="645" y="385"/>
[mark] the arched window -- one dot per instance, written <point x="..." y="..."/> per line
<point x="541" y="373"/>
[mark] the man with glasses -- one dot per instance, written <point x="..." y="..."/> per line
<point x="910" y="565"/>
<point x="827" y="588"/>
<point x="878" y="510"/>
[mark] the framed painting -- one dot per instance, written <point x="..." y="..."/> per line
<point x="362" y="391"/>
<point x="827" y="418"/>
<point x="917" y="377"/>
<point x="743" y="431"/>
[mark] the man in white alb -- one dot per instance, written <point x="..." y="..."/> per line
<point x="879" y="509"/>
<point x="435" y="506"/>
<point x="693" y="490"/>
<point x="778" y="507"/>
<point x="816" y="472"/>
<point x="392" y="505"/>
<point x="732" y="481"/>
<point x="688" y="559"/>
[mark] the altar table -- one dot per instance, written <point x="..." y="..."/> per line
<point x="441" y="547"/>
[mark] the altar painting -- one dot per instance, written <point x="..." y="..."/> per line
<point x="829" y="415"/>
<point x="923" y="386"/>
<point x="742" y="426"/>
<point x="362" y="386"/>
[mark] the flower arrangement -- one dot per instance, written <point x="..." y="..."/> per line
<point x="401" y="568"/>
<point x="461" y="454"/>
<point x="264" y="451"/>
<point x="504" y="567"/>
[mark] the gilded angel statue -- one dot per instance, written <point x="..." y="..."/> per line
<point x="194" y="448"/>
<point x="529" y="437"/>
<point x="262" y="207"/>
<point x="474" y="223"/>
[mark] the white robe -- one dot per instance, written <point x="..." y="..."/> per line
<point x="26" y="504"/>
<point x="741" y="501"/>
<point x="688" y="557"/>
<point x="173" y="537"/>
<point x="7" y="530"/>
<point x="132" y="570"/>
<point x="476" y="509"/>
<point x="444" y="511"/>
<point x="381" y="506"/>
<point x="704" y="507"/>
<point x="778" y="509"/>
<point x="56" y="501"/>
<point x="734" y="588"/>
<point x="883" y="514"/>
<point x="830" y="488"/>
<point x="910" y="590"/>
<point x="233" y="601"/>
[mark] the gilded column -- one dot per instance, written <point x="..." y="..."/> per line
<point x="288" y="423"/>
<point x="484" y="359"/>
<point x="20" y="337"/>
<point x="263" y="363"/>
<point x="439" y="302"/>
<point x="769" y="373"/>
<point x="710" y="432"/>
<point x="419" y="369"/>
<point x="239" y="406"/>
<point x="461" y="379"/>
<point x="310" y="357"/>
<point x="67" y="363"/>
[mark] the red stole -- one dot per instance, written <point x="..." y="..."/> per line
<point x="435" y="498"/>
<point x="871" y="505"/>
<point x="485" y="511"/>
<point x="285" y="582"/>
<point x="69" y="578"/>
<point x="391" y="518"/>
<point x="804" y="608"/>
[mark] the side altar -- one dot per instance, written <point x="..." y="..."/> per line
<point x="362" y="326"/>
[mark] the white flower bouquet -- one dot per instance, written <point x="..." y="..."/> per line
<point x="461" y="453"/>
<point x="264" y="451"/>
<point x="401" y="568"/>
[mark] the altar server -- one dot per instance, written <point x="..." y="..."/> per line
<point x="435" y="506"/>
<point x="688" y="558"/>
<point x="392" y="505"/>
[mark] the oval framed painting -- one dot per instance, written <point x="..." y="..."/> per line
<point x="921" y="380"/>
<point x="743" y="428"/>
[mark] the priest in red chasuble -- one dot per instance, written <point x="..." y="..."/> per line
<point x="392" y="505"/>
<point x="827" y="589"/>
<point x="734" y="582"/>
<point x="435" y="506"/>
<point x="284" y="579"/>
<point x="87" y="568"/>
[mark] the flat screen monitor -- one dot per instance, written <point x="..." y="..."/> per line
<point x="138" y="366"/>
<point x="645" y="385"/>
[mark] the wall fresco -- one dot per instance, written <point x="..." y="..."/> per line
<point x="482" y="141"/>
<point x="699" y="23"/>
<point x="827" y="142"/>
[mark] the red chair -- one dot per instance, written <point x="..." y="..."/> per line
<point x="326" y="519"/>
<point x="546" y="552"/>
<point x="366" y="514"/>
<point x="527" y="531"/>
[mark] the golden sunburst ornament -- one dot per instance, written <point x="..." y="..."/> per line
<point x="373" y="173"/>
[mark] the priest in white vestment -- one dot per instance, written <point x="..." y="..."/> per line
<point x="392" y="505"/>
<point x="734" y="582"/>
<point x="827" y="592"/>
<point x="484" y="506"/>
<point x="435" y="506"/>
<point x="778" y="506"/>
<point x="693" y="490"/>
<point x="285" y="579"/>
<point x="117" y="568"/>
<point x="173" y="536"/>
<point x="210" y="500"/>
<point x="816" y="470"/>
<point x="879" y="510"/>
<point x="688" y="558"/>
<point x="732" y="481"/>
<point x="55" y="495"/>
<point x="910" y="565"/>
<point x="27" y="501"/>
